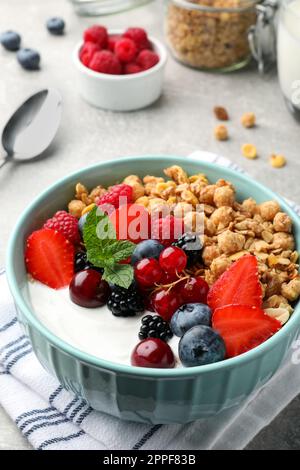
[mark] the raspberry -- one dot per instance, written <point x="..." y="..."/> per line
<point x="112" y="40"/>
<point x="105" y="62"/>
<point x="87" y="51"/>
<point x="167" y="229"/>
<point x="66" y="224"/>
<point x="139" y="36"/>
<point x="125" y="50"/>
<point x="132" y="68"/>
<point x="117" y="195"/>
<point x="147" y="59"/>
<point x="96" y="34"/>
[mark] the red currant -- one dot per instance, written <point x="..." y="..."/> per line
<point x="168" y="278"/>
<point x="166" y="303"/>
<point x="195" y="289"/>
<point x="148" y="272"/>
<point x="173" y="259"/>
<point x="153" y="352"/>
<point x="88" y="289"/>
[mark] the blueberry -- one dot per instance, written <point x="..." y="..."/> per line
<point x="10" y="40"/>
<point x="146" y="249"/>
<point x="189" y="315"/>
<point x="29" y="59"/>
<point x="201" y="345"/>
<point x="56" y="26"/>
<point x="81" y="222"/>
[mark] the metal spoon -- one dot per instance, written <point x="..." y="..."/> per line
<point x="32" y="127"/>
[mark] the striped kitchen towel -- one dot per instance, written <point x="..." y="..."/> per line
<point x="52" y="418"/>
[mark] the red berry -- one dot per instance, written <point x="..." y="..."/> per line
<point x="173" y="259"/>
<point x="88" y="289"/>
<point x="148" y="300"/>
<point x="195" y="289"/>
<point x="105" y="62"/>
<point x="87" y="51"/>
<point x="243" y="327"/>
<point x="97" y="34"/>
<point x="131" y="222"/>
<point x="112" y="40"/>
<point x="166" y="303"/>
<point x="125" y="50"/>
<point x="117" y="196"/>
<point x="49" y="258"/>
<point x="238" y="285"/>
<point x="167" y="229"/>
<point x="148" y="272"/>
<point x="147" y="59"/>
<point x="153" y="352"/>
<point x="139" y="36"/>
<point x="65" y="223"/>
<point x="132" y="68"/>
<point x="168" y="278"/>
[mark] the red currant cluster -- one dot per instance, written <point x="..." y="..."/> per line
<point x="165" y="283"/>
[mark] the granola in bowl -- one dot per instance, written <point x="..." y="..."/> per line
<point x="215" y="275"/>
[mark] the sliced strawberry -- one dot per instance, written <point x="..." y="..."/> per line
<point x="243" y="327"/>
<point x="238" y="285"/>
<point x="49" y="258"/>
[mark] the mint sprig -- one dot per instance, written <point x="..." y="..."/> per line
<point x="105" y="251"/>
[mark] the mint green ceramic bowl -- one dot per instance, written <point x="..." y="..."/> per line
<point x="131" y="393"/>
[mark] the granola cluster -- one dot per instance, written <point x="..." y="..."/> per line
<point x="231" y="228"/>
<point x="210" y="39"/>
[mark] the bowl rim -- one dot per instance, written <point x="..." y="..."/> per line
<point x="158" y="45"/>
<point x="94" y="361"/>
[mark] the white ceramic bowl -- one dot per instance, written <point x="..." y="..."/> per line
<point x="121" y="92"/>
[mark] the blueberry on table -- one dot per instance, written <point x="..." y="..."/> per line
<point x="190" y="315"/>
<point x="146" y="249"/>
<point x="201" y="345"/>
<point x="10" y="40"/>
<point x="56" y="26"/>
<point x="29" y="59"/>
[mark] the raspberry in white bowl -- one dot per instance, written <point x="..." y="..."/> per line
<point x="120" y="70"/>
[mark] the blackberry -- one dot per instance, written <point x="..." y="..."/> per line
<point x="191" y="244"/>
<point x="125" y="302"/>
<point x="153" y="326"/>
<point x="81" y="263"/>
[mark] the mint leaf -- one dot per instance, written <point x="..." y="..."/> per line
<point x="105" y="251"/>
<point x="119" y="274"/>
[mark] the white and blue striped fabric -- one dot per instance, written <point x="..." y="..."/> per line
<point x="52" y="418"/>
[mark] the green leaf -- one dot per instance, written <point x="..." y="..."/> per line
<point x="119" y="274"/>
<point x="103" y="249"/>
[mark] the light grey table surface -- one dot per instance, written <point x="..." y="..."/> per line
<point x="179" y="123"/>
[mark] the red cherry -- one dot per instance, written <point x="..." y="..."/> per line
<point x="88" y="289"/>
<point x="153" y="352"/>
<point x="195" y="289"/>
<point x="166" y="303"/>
<point x="132" y="222"/>
<point x="173" y="259"/>
<point x="148" y="272"/>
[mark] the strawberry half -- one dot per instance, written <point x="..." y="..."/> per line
<point x="238" y="285"/>
<point x="243" y="327"/>
<point x="49" y="258"/>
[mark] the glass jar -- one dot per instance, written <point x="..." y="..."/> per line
<point x="288" y="50"/>
<point x="105" y="7"/>
<point x="210" y="34"/>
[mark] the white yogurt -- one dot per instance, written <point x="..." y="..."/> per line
<point x="93" y="331"/>
<point x="289" y="51"/>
